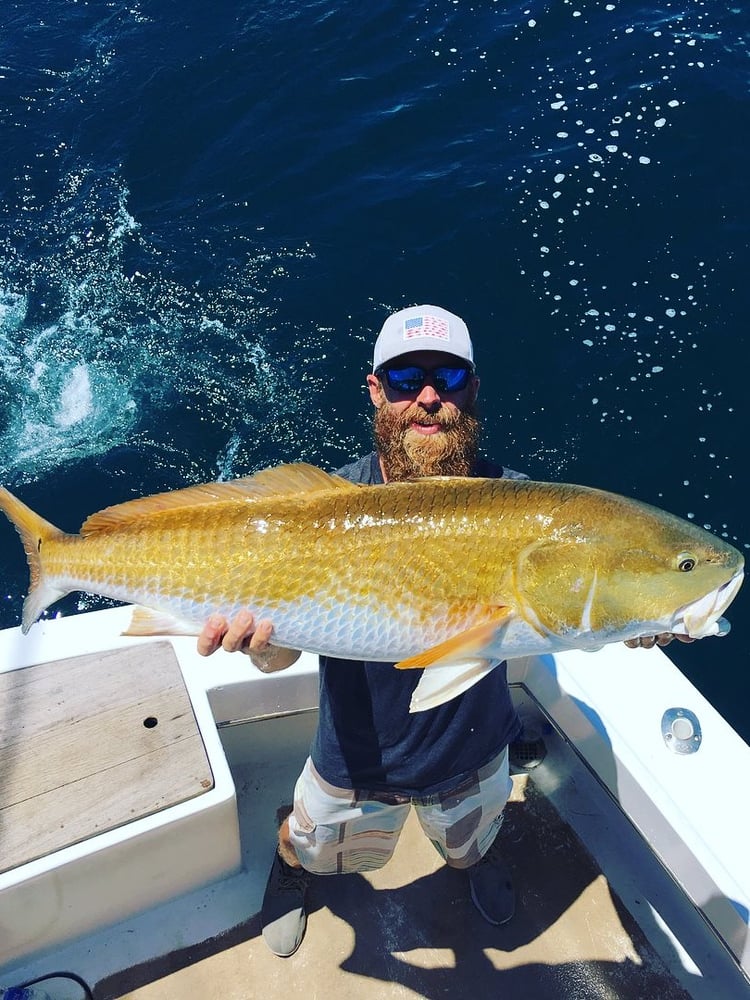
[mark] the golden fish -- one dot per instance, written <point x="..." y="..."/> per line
<point x="448" y="573"/>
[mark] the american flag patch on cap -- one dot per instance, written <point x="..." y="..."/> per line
<point x="427" y="326"/>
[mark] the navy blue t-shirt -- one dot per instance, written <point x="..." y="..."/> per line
<point x="367" y="738"/>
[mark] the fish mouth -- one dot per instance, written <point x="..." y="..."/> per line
<point x="703" y="617"/>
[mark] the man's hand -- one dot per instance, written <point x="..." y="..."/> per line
<point x="663" y="639"/>
<point x="244" y="635"/>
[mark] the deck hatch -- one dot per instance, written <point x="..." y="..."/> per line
<point x="91" y="743"/>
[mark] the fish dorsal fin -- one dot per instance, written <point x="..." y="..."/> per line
<point x="284" y="480"/>
<point x="294" y="479"/>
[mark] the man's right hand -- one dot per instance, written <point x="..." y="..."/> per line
<point x="243" y="634"/>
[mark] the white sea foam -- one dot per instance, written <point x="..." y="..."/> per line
<point x="76" y="399"/>
<point x="115" y="353"/>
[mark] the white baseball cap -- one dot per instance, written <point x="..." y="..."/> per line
<point x="422" y="328"/>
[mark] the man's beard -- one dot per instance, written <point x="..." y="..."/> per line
<point x="407" y="454"/>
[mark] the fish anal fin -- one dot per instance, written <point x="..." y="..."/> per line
<point x="466" y="645"/>
<point x="146" y="621"/>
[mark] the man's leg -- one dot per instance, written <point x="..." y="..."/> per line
<point x="463" y="824"/>
<point x="330" y="831"/>
<point x="283" y="914"/>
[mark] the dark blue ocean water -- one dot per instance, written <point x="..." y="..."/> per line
<point x="206" y="210"/>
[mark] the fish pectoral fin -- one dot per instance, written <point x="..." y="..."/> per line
<point x="441" y="684"/>
<point x="146" y="621"/>
<point x="455" y="665"/>
<point x="465" y="645"/>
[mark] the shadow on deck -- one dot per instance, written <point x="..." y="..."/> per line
<point x="410" y="930"/>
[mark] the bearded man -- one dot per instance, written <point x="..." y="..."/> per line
<point x="371" y="760"/>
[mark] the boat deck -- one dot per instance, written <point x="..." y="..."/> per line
<point x="598" y="914"/>
<point x="410" y="929"/>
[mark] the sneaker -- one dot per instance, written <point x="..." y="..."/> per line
<point x="282" y="916"/>
<point x="492" y="887"/>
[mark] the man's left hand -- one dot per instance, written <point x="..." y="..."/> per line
<point x="663" y="639"/>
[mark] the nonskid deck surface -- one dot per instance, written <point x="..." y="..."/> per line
<point x="410" y="929"/>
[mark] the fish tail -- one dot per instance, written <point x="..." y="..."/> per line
<point x="35" y="533"/>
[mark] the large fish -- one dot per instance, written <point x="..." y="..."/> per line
<point x="448" y="573"/>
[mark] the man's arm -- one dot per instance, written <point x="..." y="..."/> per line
<point x="244" y="635"/>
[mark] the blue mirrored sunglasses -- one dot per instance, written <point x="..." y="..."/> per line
<point x="412" y="378"/>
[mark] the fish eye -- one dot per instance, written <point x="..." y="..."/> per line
<point x="686" y="562"/>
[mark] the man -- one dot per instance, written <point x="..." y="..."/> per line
<point x="371" y="760"/>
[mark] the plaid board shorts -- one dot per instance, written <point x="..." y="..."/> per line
<point x="338" y="831"/>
